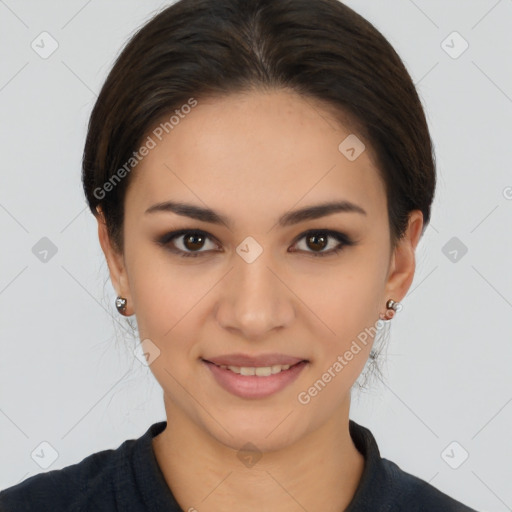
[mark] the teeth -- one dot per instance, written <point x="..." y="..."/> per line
<point x="263" y="371"/>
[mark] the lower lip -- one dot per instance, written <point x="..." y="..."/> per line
<point x="252" y="386"/>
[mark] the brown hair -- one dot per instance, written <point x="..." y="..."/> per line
<point x="321" y="49"/>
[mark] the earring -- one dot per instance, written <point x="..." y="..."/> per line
<point x="121" y="305"/>
<point x="391" y="307"/>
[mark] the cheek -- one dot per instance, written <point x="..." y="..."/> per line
<point x="161" y="294"/>
<point x="347" y="299"/>
<point x="350" y="307"/>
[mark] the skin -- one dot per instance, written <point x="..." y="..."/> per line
<point x="253" y="157"/>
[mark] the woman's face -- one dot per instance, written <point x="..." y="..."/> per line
<point x="256" y="284"/>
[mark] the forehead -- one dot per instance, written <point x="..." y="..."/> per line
<point x="274" y="149"/>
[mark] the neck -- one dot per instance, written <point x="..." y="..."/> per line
<point x="319" y="472"/>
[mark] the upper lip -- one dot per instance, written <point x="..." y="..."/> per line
<point x="261" y="360"/>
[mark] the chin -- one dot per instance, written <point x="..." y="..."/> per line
<point x="266" y="433"/>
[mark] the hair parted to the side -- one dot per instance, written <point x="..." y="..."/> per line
<point x="320" y="49"/>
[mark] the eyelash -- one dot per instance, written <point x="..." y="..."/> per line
<point x="340" y="237"/>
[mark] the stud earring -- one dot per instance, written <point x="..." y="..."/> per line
<point x="391" y="307"/>
<point x="121" y="305"/>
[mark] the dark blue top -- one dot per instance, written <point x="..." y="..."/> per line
<point x="129" y="479"/>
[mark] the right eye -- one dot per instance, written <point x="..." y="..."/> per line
<point x="188" y="239"/>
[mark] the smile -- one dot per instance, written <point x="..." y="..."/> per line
<point x="260" y="371"/>
<point x="255" y="381"/>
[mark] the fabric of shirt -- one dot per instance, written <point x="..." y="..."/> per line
<point x="129" y="479"/>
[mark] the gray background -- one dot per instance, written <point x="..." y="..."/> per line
<point x="68" y="375"/>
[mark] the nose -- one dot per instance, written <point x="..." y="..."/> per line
<point x="255" y="299"/>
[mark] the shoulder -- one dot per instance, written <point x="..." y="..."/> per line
<point x="386" y="487"/>
<point x="414" y="494"/>
<point x="86" y="485"/>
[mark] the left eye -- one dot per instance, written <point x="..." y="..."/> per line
<point x="320" y="238"/>
<point x="191" y="239"/>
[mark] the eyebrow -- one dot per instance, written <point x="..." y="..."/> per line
<point x="287" y="219"/>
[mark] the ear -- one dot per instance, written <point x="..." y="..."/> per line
<point x="403" y="261"/>
<point x="115" y="262"/>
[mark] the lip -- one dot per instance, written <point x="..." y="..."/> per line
<point x="260" y="360"/>
<point x="252" y="386"/>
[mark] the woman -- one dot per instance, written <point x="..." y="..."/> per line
<point x="261" y="172"/>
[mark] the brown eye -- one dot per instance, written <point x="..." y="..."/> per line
<point x="193" y="242"/>
<point x="317" y="240"/>
<point x="187" y="243"/>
